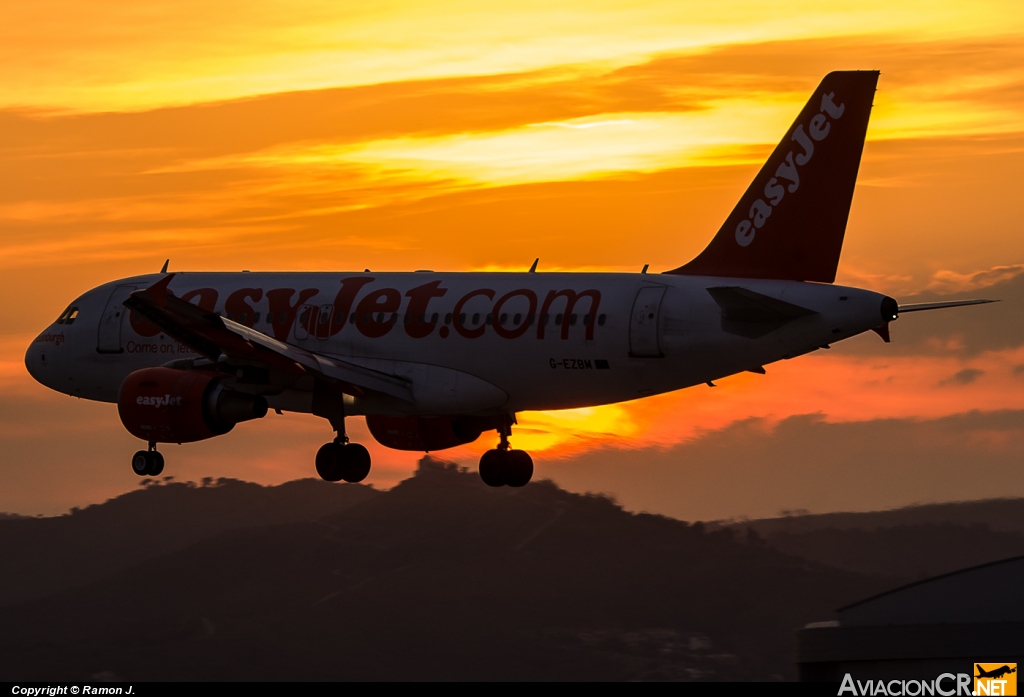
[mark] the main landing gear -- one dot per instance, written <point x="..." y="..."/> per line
<point x="504" y="466"/>
<point x="338" y="460"/>
<point x="342" y="460"/>
<point x="148" y="463"/>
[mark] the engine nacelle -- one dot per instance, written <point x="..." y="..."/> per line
<point x="167" y="405"/>
<point x="426" y="433"/>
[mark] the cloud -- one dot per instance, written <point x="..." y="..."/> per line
<point x="752" y="469"/>
<point x="947" y="282"/>
<point x="963" y="377"/>
<point x="159" y="52"/>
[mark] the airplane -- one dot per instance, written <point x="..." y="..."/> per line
<point x="995" y="673"/>
<point x="433" y="360"/>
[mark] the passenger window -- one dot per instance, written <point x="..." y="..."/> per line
<point x="572" y="319"/>
<point x="600" y="320"/>
<point x="558" y="319"/>
<point x="256" y="318"/>
<point x="448" y="318"/>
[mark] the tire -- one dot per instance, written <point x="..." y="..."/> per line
<point x="156" y="464"/>
<point x="518" y="468"/>
<point x="140" y="463"/>
<point x="492" y="467"/>
<point x="355" y="462"/>
<point x="327" y="462"/>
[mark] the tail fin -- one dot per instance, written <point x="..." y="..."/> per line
<point x="790" y="223"/>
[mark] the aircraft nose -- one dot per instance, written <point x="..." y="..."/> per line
<point x="35" y="361"/>
<point x="39" y="361"/>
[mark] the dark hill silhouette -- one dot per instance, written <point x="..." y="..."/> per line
<point x="997" y="514"/>
<point x="439" y="578"/>
<point x="46" y="555"/>
<point x="910" y="543"/>
<point x="911" y="552"/>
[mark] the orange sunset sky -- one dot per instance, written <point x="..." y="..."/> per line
<point x="310" y="135"/>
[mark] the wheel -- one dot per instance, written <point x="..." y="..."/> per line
<point x="156" y="463"/>
<point x="492" y="467"/>
<point x="140" y="463"/>
<point x="327" y="462"/>
<point x="355" y="462"/>
<point x="518" y="468"/>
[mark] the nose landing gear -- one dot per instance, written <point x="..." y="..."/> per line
<point x="148" y="463"/>
<point x="504" y="466"/>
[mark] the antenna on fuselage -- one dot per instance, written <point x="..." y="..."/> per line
<point x="164" y="268"/>
<point x="533" y="269"/>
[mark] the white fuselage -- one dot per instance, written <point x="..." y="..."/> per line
<point x="464" y="349"/>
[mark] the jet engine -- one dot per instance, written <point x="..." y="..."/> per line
<point x="426" y="433"/>
<point x="167" y="405"/>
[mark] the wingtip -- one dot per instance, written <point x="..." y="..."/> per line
<point x="158" y="291"/>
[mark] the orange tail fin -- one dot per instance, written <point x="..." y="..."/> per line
<point x="791" y="221"/>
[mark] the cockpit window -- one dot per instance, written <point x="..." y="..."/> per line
<point x="68" y="316"/>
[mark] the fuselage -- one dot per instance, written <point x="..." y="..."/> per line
<point x="469" y="343"/>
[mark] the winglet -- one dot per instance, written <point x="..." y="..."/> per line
<point x="163" y="269"/>
<point x="158" y="291"/>
<point x="533" y="269"/>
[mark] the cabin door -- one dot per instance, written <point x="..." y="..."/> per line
<point x="643" y="324"/>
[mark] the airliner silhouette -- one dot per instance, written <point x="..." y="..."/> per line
<point x="995" y="673"/>
<point x="433" y="360"/>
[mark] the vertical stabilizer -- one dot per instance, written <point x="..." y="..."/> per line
<point x="790" y="223"/>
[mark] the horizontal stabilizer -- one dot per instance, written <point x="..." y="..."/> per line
<point x="744" y="305"/>
<point x="920" y="307"/>
<point x="752" y="314"/>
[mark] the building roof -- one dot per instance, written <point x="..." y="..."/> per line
<point x="989" y="593"/>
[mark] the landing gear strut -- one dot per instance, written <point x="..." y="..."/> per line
<point x="504" y="466"/>
<point x="148" y="463"/>
<point x="340" y="459"/>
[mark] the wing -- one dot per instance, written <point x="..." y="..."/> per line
<point x="224" y="341"/>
